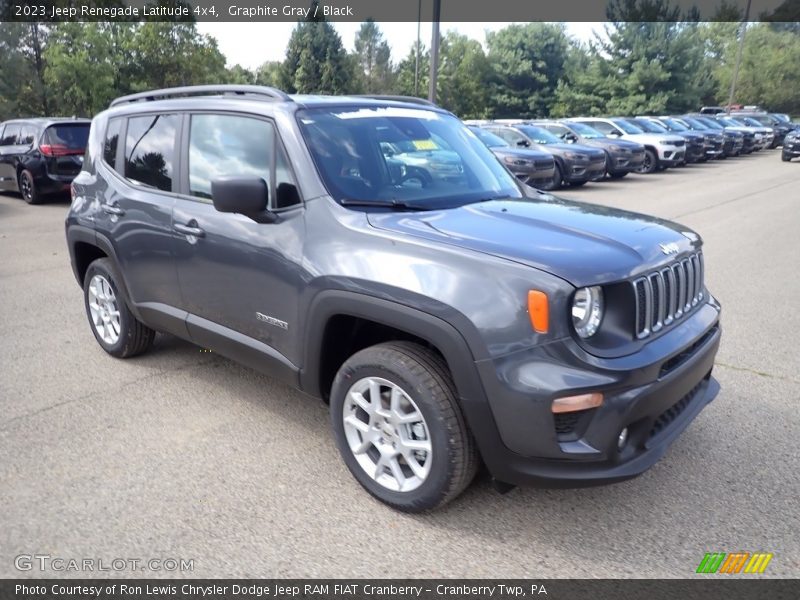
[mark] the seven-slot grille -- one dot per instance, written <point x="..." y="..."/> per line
<point x="666" y="295"/>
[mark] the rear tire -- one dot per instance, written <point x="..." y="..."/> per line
<point x="114" y="326"/>
<point x="27" y="188"/>
<point x="399" y="427"/>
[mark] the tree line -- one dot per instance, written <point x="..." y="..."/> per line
<point x="669" y="64"/>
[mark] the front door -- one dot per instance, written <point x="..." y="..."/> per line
<point x="240" y="280"/>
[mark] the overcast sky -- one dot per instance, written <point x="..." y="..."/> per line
<point x="251" y="44"/>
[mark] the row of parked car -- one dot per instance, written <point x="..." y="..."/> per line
<point x="41" y="156"/>
<point x="549" y="154"/>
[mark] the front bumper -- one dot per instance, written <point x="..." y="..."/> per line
<point x="655" y="393"/>
<point x="791" y="149"/>
<point x="626" y="162"/>
<point x="580" y="171"/>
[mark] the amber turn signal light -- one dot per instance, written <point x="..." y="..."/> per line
<point x="537" y="309"/>
<point x="576" y="403"/>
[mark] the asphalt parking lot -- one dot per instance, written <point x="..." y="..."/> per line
<point x="184" y="454"/>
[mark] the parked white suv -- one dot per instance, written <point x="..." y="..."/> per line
<point x="661" y="151"/>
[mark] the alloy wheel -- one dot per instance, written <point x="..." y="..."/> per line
<point x="104" y="310"/>
<point x="387" y="434"/>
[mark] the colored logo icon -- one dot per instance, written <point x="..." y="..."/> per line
<point x="734" y="562"/>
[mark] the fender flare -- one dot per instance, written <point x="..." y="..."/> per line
<point x="433" y="329"/>
<point x="87" y="235"/>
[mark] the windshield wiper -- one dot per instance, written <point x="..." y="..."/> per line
<point x="395" y="204"/>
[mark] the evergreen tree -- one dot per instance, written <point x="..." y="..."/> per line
<point x="374" y="59"/>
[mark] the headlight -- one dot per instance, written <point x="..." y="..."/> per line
<point x="587" y="311"/>
<point x="517" y="162"/>
<point x="666" y="142"/>
<point x="615" y="148"/>
<point x="575" y="156"/>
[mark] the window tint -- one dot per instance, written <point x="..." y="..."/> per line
<point x="221" y="145"/>
<point x="10" y="135"/>
<point x="73" y="136"/>
<point x="509" y="135"/>
<point x="149" y="150"/>
<point x="26" y="135"/>
<point x="111" y="142"/>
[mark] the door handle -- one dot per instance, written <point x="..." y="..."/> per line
<point x="189" y="229"/>
<point x="113" y="209"/>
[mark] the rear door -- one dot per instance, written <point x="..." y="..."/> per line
<point x="8" y="152"/>
<point x="63" y="145"/>
<point x="240" y="280"/>
<point x="136" y="197"/>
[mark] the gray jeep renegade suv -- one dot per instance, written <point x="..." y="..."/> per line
<point x="450" y="315"/>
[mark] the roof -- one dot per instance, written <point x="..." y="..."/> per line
<point x="45" y="121"/>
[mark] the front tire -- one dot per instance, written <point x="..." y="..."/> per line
<point x="554" y="183"/>
<point x="785" y="157"/>
<point x="399" y="428"/>
<point x="617" y="174"/>
<point x="114" y="326"/>
<point x="650" y="164"/>
<point x="28" y="189"/>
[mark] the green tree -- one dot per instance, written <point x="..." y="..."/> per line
<point x="269" y="73"/>
<point x="81" y="65"/>
<point x="463" y="75"/>
<point x="174" y="54"/>
<point x="405" y="74"/>
<point x="240" y="75"/>
<point x="374" y="59"/>
<point x="316" y="61"/>
<point x="527" y="62"/>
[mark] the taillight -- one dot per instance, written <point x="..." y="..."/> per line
<point x="53" y="150"/>
<point x="72" y="191"/>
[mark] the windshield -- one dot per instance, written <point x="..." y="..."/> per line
<point x="650" y="126"/>
<point x="626" y="126"/>
<point x="693" y="123"/>
<point x="731" y="122"/>
<point x="782" y="117"/>
<point x="407" y="157"/>
<point x="488" y="138"/>
<point x="539" y="135"/>
<point x="750" y="121"/>
<point x="590" y="133"/>
<point x="675" y="125"/>
<point x="710" y="122"/>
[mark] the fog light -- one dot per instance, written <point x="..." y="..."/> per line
<point x="622" y="439"/>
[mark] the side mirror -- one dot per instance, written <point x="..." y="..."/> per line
<point x="246" y="196"/>
<point x="614" y="134"/>
<point x="523" y="143"/>
<point x="570" y="138"/>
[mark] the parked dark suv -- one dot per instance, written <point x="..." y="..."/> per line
<point x="447" y="323"/>
<point x="534" y="167"/>
<point x="576" y="164"/>
<point x="41" y="156"/>
<point x="622" y="156"/>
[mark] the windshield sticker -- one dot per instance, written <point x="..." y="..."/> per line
<point x="425" y="145"/>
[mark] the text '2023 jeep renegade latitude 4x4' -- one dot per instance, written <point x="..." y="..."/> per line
<point x="448" y="313"/>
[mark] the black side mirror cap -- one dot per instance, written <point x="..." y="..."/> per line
<point x="246" y="196"/>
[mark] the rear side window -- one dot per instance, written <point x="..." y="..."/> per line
<point x="150" y="150"/>
<point x="111" y="142"/>
<point x="10" y="135"/>
<point x="26" y="135"/>
<point x="228" y="145"/>
<point x="603" y="127"/>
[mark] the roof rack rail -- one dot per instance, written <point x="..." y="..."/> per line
<point x="410" y="99"/>
<point x="204" y="90"/>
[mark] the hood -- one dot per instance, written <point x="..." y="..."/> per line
<point x="653" y="138"/>
<point x="608" y="142"/>
<point x="526" y="153"/>
<point x="576" y="148"/>
<point x="584" y="244"/>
